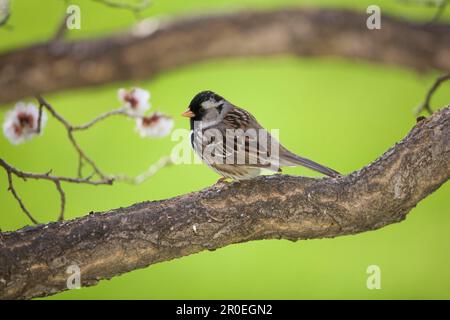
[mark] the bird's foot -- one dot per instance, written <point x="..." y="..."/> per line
<point x="222" y="180"/>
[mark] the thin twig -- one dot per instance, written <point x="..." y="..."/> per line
<point x="440" y="6"/>
<point x="49" y="177"/>
<point x="80" y="167"/>
<point x="82" y="158"/>
<point x="16" y="196"/>
<point x="120" y="111"/>
<point x="150" y="172"/>
<point x="426" y="104"/>
<point x="44" y="103"/>
<point x="61" y="29"/>
<point x="83" y="155"/>
<point x="136" y="7"/>
<point x="63" y="200"/>
<point x="70" y="128"/>
<point x="38" y="129"/>
<point x="10" y="170"/>
<point x="425" y="3"/>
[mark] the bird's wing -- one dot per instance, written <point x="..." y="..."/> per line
<point x="251" y="145"/>
<point x="244" y="141"/>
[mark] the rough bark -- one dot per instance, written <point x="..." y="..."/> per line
<point x="142" y="54"/>
<point x="33" y="261"/>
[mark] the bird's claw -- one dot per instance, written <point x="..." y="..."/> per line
<point x="222" y="180"/>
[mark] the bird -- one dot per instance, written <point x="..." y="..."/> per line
<point x="231" y="141"/>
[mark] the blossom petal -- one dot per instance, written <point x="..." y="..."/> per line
<point x="157" y="125"/>
<point x="134" y="100"/>
<point x="21" y="123"/>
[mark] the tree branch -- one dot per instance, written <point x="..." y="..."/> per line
<point x="276" y="207"/>
<point x="70" y="129"/>
<point x="19" y="200"/>
<point x="440" y="6"/>
<point x="10" y="170"/>
<point x="60" y="30"/>
<point x="47" y="176"/>
<point x="82" y="157"/>
<point x="426" y="104"/>
<point x="154" y="46"/>
<point x="133" y="7"/>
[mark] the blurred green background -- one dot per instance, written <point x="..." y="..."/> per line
<point x="338" y="112"/>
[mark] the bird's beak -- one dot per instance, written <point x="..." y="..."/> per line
<point x="188" y="114"/>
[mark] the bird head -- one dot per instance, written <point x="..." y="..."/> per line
<point x="203" y="103"/>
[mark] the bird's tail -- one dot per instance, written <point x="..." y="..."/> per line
<point x="289" y="159"/>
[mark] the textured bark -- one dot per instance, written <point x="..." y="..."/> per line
<point x="59" y="65"/>
<point x="33" y="261"/>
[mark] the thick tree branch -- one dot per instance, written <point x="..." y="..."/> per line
<point x="34" y="260"/>
<point x="155" y="46"/>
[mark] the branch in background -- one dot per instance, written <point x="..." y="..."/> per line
<point x="154" y="46"/>
<point x="136" y="8"/>
<point x="133" y="7"/>
<point x="426" y="104"/>
<point x="440" y="10"/>
<point x="440" y="6"/>
<point x="107" y="244"/>
<point x="103" y="179"/>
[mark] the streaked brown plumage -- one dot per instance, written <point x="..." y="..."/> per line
<point x="232" y="142"/>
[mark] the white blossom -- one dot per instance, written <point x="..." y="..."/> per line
<point x="157" y="125"/>
<point x="21" y="123"/>
<point x="135" y="100"/>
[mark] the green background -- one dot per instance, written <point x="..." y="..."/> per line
<point x="339" y="112"/>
